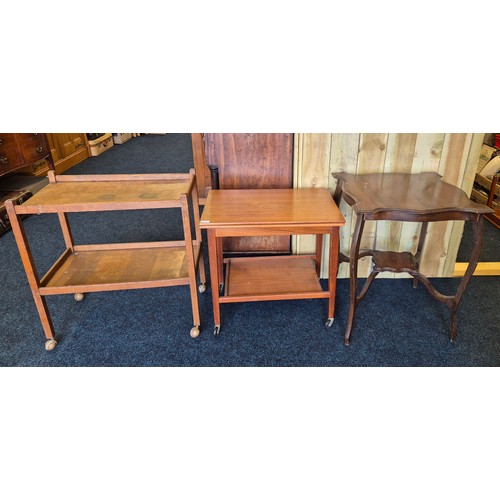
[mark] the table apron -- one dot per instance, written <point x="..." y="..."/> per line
<point x="428" y="217"/>
<point x="271" y="230"/>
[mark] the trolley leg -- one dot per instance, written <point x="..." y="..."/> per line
<point x="34" y="282"/>
<point x="48" y="327"/>
<point x="319" y="253"/>
<point x="220" y="263"/>
<point x="191" y="265"/>
<point x="196" y="214"/>
<point x="214" y="273"/>
<point x="332" y="271"/>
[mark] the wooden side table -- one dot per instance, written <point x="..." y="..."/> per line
<point x="405" y="197"/>
<point x="270" y="212"/>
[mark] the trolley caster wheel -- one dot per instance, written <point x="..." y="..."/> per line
<point x="50" y="344"/>
<point x="216" y="330"/>
<point x="79" y="296"/>
<point x="202" y="288"/>
<point x="329" y="322"/>
<point x="195" y="332"/>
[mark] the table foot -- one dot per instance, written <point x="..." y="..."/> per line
<point x="329" y="322"/>
<point x="415" y="282"/>
<point x="50" y="344"/>
<point x="216" y="330"/>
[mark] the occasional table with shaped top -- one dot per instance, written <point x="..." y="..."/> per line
<point x="270" y="212"/>
<point x="424" y="198"/>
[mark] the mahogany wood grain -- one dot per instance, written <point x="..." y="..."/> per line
<point x="252" y="161"/>
<point x="19" y="151"/>
<point x="415" y="194"/>
<point x="424" y="198"/>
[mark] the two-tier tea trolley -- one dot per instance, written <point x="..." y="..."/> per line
<point x="117" y="266"/>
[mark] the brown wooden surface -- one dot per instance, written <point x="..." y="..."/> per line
<point x="280" y="277"/>
<point x="422" y="198"/>
<point x="110" y="195"/>
<point x="119" y="268"/>
<point x="200" y="165"/>
<point x="67" y="150"/>
<point x="270" y="207"/>
<point x="421" y="193"/>
<point x="264" y="212"/>
<point x="455" y="156"/>
<point x="249" y="161"/>
<point x="19" y="151"/>
<point x="252" y="161"/>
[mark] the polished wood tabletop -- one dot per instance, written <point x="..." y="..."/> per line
<point x="244" y="207"/>
<point x="424" y="193"/>
<point x="424" y="198"/>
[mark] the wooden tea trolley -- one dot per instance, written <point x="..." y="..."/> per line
<point x="270" y="212"/>
<point x="118" y="266"/>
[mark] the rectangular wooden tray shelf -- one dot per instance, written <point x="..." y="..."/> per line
<point x="82" y="196"/>
<point x="93" y="268"/>
<point x="251" y="279"/>
<point x="115" y="266"/>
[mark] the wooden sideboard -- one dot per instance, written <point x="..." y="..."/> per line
<point x="18" y="151"/>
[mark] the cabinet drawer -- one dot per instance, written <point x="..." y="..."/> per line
<point x="7" y="139"/>
<point x="33" y="147"/>
<point x="9" y="156"/>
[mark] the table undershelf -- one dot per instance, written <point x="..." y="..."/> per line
<point x="396" y="262"/>
<point x="117" y="267"/>
<point x="271" y="278"/>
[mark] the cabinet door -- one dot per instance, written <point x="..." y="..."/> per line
<point x="253" y="161"/>
<point x="67" y="150"/>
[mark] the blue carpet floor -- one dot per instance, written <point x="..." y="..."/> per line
<point x="395" y="325"/>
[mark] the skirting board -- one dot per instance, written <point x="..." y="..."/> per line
<point x="482" y="269"/>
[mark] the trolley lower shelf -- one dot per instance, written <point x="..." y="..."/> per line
<point x="114" y="266"/>
<point x="91" y="268"/>
<point x="271" y="278"/>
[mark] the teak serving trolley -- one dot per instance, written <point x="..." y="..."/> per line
<point x="118" y="266"/>
<point x="270" y="212"/>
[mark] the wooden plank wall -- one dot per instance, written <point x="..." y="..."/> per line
<point x="454" y="156"/>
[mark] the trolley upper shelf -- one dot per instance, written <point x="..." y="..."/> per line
<point x="84" y="193"/>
